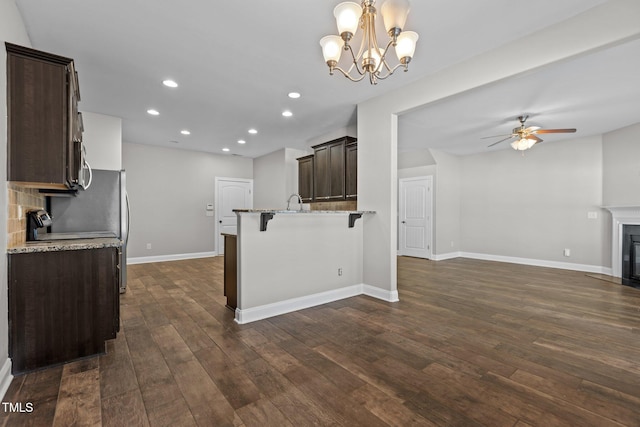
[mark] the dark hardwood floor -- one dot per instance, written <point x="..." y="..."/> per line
<point x="471" y="343"/>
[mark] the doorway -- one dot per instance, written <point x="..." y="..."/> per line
<point x="231" y="193"/>
<point x="415" y="216"/>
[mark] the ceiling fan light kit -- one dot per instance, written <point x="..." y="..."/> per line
<point x="371" y="59"/>
<point x="526" y="135"/>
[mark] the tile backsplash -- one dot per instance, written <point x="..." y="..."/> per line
<point x="343" y="205"/>
<point x="21" y="200"/>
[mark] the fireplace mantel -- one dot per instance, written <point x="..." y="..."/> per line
<point x="621" y="215"/>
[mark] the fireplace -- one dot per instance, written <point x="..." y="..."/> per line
<point x="625" y="243"/>
<point x="631" y="255"/>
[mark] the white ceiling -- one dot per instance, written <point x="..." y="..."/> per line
<point x="235" y="62"/>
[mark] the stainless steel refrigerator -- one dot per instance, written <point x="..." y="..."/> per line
<point x="103" y="207"/>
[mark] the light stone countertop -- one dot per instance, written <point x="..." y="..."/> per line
<point x="65" y="245"/>
<point x="284" y="211"/>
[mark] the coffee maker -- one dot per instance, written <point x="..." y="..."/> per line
<point x="36" y="219"/>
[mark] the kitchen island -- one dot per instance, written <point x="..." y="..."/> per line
<point x="289" y="260"/>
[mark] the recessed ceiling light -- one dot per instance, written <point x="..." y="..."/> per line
<point x="153" y="112"/>
<point x="242" y="141"/>
<point x="185" y="132"/>
<point x="169" y="83"/>
<point x="287" y="113"/>
<point x="253" y="131"/>
<point x="225" y="149"/>
<point x="294" y="95"/>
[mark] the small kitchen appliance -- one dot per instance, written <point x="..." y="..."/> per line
<point x="36" y="219"/>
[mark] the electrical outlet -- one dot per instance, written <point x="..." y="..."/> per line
<point x="339" y="271"/>
<point x="567" y="252"/>
<point x="148" y="245"/>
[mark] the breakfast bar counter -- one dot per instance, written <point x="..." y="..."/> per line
<point x="288" y="260"/>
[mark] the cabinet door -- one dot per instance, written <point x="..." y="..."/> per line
<point x="61" y="305"/>
<point x="336" y="170"/>
<point x="37" y="109"/>
<point x="321" y="175"/>
<point x="351" y="173"/>
<point x="305" y="178"/>
<point x="42" y="96"/>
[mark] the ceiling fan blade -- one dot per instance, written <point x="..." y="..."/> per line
<point x="555" y="131"/>
<point x="498" y="136"/>
<point x="498" y="142"/>
<point x="531" y="129"/>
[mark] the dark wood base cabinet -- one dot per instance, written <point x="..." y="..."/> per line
<point x="230" y="270"/>
<point x="63" y="305"/>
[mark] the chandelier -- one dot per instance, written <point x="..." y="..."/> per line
<point x="371" y="59"/>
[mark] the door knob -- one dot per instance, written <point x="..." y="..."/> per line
<point x="404" y="222"/>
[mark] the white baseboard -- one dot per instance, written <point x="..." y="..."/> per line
<point x="294" y="304"/>
<point x="539" y="263"/>
<point x="174" y="257"/>
<point x="442" y="257"/>
<point x="5" y="377"/>
<point x="383" y="294"/>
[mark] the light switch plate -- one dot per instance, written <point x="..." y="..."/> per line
<point x="592" y="215"/>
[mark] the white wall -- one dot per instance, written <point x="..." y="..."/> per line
<point x="291" y="156"/>
<point x="534" y="205"/>
<point x="275" y="178"/>
<point x="102" y="138"/>
<point x="269" y="181"/>
<point x="446" y="221"/>
<point x="377" y="124"/>
<point x="12" y="29"/>
<point x="621" y="160"/>
<point x="296" y="258"/>
<point x="334" y="134"/>
<point x="168" y="192"/>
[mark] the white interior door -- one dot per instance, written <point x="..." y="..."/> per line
<point x="415" y="217"/>
<point x="231" y="193"/>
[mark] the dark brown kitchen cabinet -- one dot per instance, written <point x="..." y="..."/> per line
<point x="305" y="177"/>
<point x="351" y="170"/>
<point x="44" y="125"/>
<point x="329" y="169"/>
<point x="63" y="305"/>
<point x="231" y="270"/>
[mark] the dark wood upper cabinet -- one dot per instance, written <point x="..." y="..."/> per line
<point x="43" y="128"/>
<point x="305" y="177"/>
<point x="330" y="169"/>
<point x="331" y="172"/>
<point x="351" y="170"/>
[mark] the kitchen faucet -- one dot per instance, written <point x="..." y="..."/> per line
<point x="299" y="200"/>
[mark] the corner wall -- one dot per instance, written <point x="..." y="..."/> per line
<point x="377" y="117"/>
<point x="275" y="178"/>
<point x="168" y="193"/>
<point x="621" y="163"/>
<point x="533" y="205"/>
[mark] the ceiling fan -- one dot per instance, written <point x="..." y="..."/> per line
<point x="526" y="135"/>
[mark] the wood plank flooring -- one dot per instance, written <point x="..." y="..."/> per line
<point x="471" y="343"/>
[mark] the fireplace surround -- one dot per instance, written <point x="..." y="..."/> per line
<point x="622" y="216"/>
<point x="631" y="255"/>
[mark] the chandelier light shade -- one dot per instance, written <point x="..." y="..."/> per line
<point x="370" y="60"/>
<point x="523" y="144"/>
